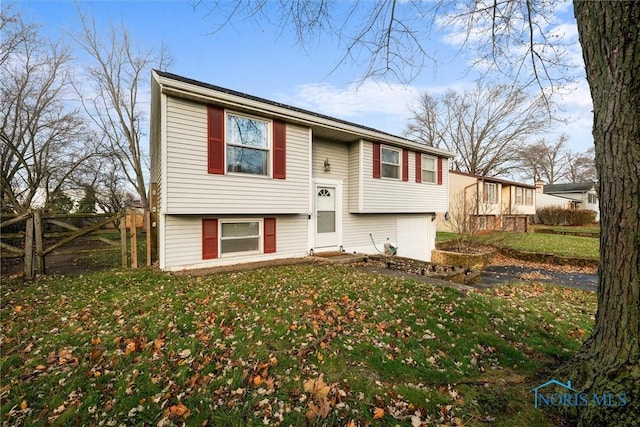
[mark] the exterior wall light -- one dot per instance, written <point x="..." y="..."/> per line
<point x="327" y="165"/>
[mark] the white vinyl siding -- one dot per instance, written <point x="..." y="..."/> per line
<point x="183" y="235"/>
<point x="396" y="196"/>
<point x="191" y="190"/>
<point x="336" y="153"/>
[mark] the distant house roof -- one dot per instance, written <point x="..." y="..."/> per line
<point x="575" y="187"/>
<point x="493" y="179"/>
<point x="323" y="125"/>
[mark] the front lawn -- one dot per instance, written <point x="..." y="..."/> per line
<point x="542" y="243"/>
<point x="557" y="244"/>
<point x="291" y="345"/>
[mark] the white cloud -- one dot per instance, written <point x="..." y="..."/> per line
<point x="385" y="107"/>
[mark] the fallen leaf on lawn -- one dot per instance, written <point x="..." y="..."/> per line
<point x="184" y="353"/>
<point x="257" y="380"/>
<point x="318" y="388"/>
<point x="378" y="413"/>
<point x="17" y="308"/>
<point x="24" y="405"/>
<point x="179" y="410"/>
<point x="351" y="423"/>
<point x="158" y="343"/>
<point x="96" y="340"/>
<point x="130" y="348"/>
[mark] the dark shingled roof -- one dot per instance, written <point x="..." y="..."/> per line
<point x="575" y="187"/>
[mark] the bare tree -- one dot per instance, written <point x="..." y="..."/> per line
<point x="482" y="125"/>
<point x="44" y="142"/>
<point x="114" y="102"/>
<point x="543" y="160"/>
<point x="580" y="166"/>
<point x="515" y="38"/>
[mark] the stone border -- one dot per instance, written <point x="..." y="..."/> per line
<point x="549" y="258"/>
<point x="472" y="261"/>
<point x="567" y="233"/>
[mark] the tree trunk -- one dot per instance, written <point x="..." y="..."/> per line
<point x="609" y="360"/>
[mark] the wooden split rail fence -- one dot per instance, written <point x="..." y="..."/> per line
<point x="40" y="241"/>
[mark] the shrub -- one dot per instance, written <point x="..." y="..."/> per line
<point x="561" y="216"/>
<point x="580" y="217"/>
<point x="552" y="215"/>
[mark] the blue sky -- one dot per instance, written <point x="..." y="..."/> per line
<point x="266" y="62"/>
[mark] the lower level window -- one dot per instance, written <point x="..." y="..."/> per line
<point x="240" y="237"/>
<point x="482" y="223"/>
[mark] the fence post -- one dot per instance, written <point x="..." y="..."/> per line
<point x="134" y="239"/>
<point x="38" y="231"/>
<point x="147" y="229"/>
<point x="123" y="239"/>
<point x="28" y="247"/>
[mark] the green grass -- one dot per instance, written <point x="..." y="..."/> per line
<point x="561" y="245"/>
<point x="143" y="347"/>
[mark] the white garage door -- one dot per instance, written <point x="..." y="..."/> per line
<point x="416" y="237"/>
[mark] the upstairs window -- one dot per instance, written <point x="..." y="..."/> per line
<point x="390" y="163"/>
<point x="429" y="169"/>
<point x="490" y="192"/>
<point x="519" y="195"/>
<point x="247" y="141"/>
<point x="592" y="199"/>
<point x="529" y="196"/>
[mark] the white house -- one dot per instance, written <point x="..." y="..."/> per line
<point x="578" y="195"/>
<point x="236" y="178"/>
<point x="487" y="203"/>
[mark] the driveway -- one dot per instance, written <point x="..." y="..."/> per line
<point x="494" y="275"/>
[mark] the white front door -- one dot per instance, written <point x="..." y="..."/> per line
<point x="326" y="214"/>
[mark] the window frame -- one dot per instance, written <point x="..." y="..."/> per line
<point x="423" y="169"/>
<point x="482" y="222"/>
<point x="528" y="196"/>
<point x="493" y="185"/>
<point x="268" y="149"/>
<point x="521" y="196"/>
<point x="259" y="236"/>
<point x="398" y="166"/>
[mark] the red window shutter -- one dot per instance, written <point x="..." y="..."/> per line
<point x="405" y="165"/>
<point x="209" y="238"/>
<point x="439" y="170"/>
<point x="279" y="150"/>
<point x="376" y="160"/>
<point x="215" y="141"/>
<point x="269" y="235"/>
<point x="418" y="167"/>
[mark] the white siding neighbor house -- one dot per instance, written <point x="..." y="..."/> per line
<point x="576" y="195"/>
<point x="486" y="203"/>
<point x="236" y="178"/>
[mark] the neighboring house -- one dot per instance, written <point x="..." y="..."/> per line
<point x="579" y="195"/>
<point x="236" y="178"/>
<point x="485" y="203"/>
